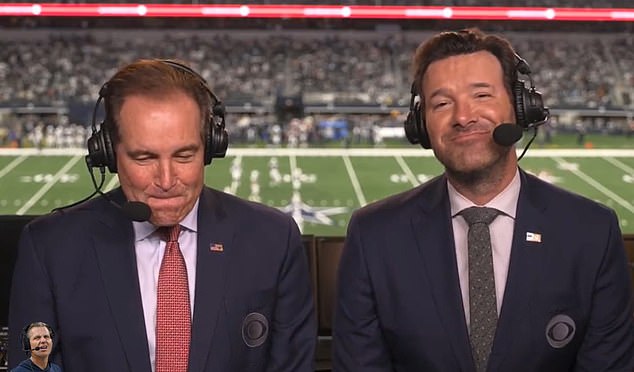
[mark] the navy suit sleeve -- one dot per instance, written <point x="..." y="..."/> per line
<point x="609" y="341"/>
<point x="358" y="343"/>
<point x="31" y="298"/>
<point x="294" y="328"/>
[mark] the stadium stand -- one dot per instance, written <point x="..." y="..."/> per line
<point x="51" y="69"/>
<point x="57" y="74"/>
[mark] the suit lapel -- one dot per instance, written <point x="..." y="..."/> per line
<point x="524" y="268"/>
<point x="214" y="229"/>
<point x="431" y="226"/>
<point x="114" y="249"/>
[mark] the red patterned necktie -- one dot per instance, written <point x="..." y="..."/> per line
<point x="173" y="316"/>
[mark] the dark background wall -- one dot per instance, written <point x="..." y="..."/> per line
<point x="10" y="228"/>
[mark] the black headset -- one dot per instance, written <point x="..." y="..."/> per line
<point x="101" y="152"/>
<point x="24" y="336"/>
<point x="529" y="108"/>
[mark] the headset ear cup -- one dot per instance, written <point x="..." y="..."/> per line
<point x="26" y="343"/>
<point x="535" y="111"/>
<point x="110" y="159"/>
<point x="217" y="143"/>
<point x="520" y="97"/>
<point x="217" y="140"/>
<point x="100" y="150"/>
<point x="422" y="127"/>
<point x="411" y="131"/>
<point x="221" y="142"/>
<point x="414" y="126"/>
<point x="95" y="156"/>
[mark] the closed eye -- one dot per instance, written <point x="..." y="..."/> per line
<point x="483" y="95"/>
<point x="143" y="158"/>
<point x="185" y="156"/>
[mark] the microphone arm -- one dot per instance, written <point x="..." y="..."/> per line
<point x="135" y="210"/>
<point x="94" y="182"/>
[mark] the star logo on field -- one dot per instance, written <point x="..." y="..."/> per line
<point x="303" y="212"/>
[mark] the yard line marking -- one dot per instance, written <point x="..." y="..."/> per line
<point x="292" y="160"/>
<point x="620" y="164"/>
<point x="355" y="181"/>
<point x="597" y="185"/>
<point x="114" y="181"/>
<point x="38" y="195"/>
<point x="12" y="165"/>
<point x="407" y="170"/>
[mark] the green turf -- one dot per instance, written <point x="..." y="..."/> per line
<point x="326" y="189"/>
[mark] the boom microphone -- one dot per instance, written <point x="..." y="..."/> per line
<point x="507" y="134"/>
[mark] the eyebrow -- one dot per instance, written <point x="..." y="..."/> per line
<point x="135" y="153"/>
<point x="443" y="91"/>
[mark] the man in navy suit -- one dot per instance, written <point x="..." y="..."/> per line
<point x="561" y="299"/>
<point x="95" y="275"/>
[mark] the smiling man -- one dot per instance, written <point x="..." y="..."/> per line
<point x="199" y="281"/>
<point x="484" y="268"/>
<point x="38" y="342"/>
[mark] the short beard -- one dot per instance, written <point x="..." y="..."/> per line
<point x="481" y="180"/>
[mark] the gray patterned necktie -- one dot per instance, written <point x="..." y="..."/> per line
<point x="482" y="302"/>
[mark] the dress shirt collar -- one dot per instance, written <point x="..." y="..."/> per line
<point x="506" y="201"/>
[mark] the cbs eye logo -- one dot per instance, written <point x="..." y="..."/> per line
<point x="255" y="329"/>
<point x="560" y="331"/>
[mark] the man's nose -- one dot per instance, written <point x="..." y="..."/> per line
<point x="464" y="113"/>
<point x="166" y="175"/>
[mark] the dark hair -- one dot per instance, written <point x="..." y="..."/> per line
<point x="153" y="78"/>
<point x="467" y="41"/>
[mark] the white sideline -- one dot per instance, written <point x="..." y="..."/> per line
<point x="12" y="165"/>
<point x="408" y="172"/>
<point x="596" y="184"/>
<point x="624" y="167"/>
<point x="354" y="180"/>
<point x="413" y="151"/>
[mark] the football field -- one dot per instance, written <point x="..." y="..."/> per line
<point x="319" y="187"/>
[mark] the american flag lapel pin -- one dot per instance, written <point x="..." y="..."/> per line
<point x="216" y="247"/>
<point x="533" y="237"/>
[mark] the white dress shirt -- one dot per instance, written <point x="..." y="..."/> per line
<point x="149" y="249"/>
<point x="501" y="238"/>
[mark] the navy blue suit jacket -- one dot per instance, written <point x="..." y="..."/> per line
<point x="76" y="270"/>
<point x="399" y="302"/>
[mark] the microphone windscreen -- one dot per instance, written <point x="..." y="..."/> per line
<point x="137" y="211"/>
<point x="507" y="134"/>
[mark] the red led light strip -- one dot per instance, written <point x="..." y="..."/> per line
<point x="309" y="11"/>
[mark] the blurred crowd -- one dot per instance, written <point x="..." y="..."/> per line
<point x="570" y="70"/>
<point x="255" y="68"/>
